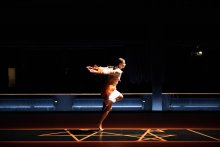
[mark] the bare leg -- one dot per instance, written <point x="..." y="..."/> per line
<point x="105" y="113"/>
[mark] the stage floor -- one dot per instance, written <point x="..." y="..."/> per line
<point x="114" y="135"/>
<point x="122" y="129"/>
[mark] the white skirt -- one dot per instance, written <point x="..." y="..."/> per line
<point x="112" y="97"/>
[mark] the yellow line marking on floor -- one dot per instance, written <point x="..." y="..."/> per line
<point x="73" y="136"/>
<point x="203" y="134"/>
<point x="143" y="135"/>
<point x="88" y="136"/>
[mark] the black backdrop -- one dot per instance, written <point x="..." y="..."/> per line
<point x="50" y="44"/>
<point x="48" y="61"/>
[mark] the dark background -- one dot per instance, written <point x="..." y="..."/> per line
<point x="50" y="43"/>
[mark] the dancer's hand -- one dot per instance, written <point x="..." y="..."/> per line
<point x="91" y="69"/>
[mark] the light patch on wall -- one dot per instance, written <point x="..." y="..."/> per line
<point x="11" y="77"/>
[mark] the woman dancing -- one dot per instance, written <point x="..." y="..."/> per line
<point x="109" y="92"/>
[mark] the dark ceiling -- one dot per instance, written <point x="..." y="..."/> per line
<point x="110" y="12"/>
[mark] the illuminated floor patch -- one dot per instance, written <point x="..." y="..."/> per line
<point x="112" y="135"/>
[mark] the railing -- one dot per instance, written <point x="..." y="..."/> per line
<point x="191" y="101"/>
<point x="93" y="102"/>
<point x="71" y="102"/>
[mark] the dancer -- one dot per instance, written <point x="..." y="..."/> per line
<point x="109" y="92"/>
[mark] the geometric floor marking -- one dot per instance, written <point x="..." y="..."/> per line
<point x="79" y="135"/>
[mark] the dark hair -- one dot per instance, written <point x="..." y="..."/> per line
<point x="120" y="60"/>
<point x="117" y="62"/>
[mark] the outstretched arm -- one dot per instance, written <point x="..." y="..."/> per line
<point x="101" y="70"/>
<point x="92" y="69"/>
<point x="95" y="69"/>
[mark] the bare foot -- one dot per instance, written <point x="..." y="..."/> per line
<point x="100" y="127"/>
